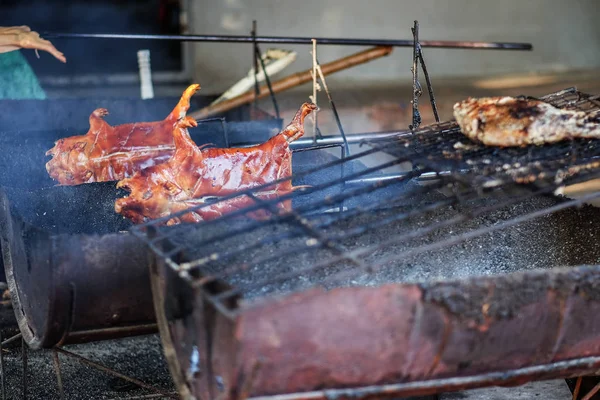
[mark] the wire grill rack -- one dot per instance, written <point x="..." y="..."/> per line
<point x="443" y="147"/>
<point x="341" y="234"/>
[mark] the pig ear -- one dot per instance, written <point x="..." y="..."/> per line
<point x="181" y="136"/>
<point x="188" y="122"/>
<point x="183" y="106"/>
<point x="97" y="121"/>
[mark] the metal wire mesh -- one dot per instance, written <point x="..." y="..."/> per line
<point x="345" y="234"/>
<point x="443" y="147"/>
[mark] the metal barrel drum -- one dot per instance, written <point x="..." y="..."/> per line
<point x="73" y="288"/>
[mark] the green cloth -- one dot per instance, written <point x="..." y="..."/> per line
<point x="17" y="79"/>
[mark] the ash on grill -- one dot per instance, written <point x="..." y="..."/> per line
<point x="278" y="258"/>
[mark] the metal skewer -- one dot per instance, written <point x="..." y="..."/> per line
<point x="417" y="91"/>
<point x="298" y="40"/>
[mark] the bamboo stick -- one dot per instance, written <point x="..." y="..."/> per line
<point x="293" y="81"/>
<point x="582" y="189"/>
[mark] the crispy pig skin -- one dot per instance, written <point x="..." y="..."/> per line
<point x="195" y="176"/>
<point x="514" y="122"/>
<point x="111" y="153"/>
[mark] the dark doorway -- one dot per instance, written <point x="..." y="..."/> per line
<point x="99" y="56"/>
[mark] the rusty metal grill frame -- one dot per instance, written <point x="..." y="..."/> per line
<point x="361" y="177"/>
<point x="427" y="150"/>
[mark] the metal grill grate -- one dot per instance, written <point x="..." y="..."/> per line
<point x="443" y="147"/>
<point x="357" y="221"/>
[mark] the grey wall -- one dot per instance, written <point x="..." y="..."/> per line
<point x="565" y="34"/>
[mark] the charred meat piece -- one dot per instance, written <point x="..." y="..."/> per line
<point x="195" y="176"/>
<point x="112" y="153"/>
<point x="513" y="122"/>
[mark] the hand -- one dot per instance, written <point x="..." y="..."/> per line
<point x="22" y="37"/>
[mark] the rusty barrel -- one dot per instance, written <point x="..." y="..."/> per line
<point x="74" y="288"/>
<point x="396" y="340"/>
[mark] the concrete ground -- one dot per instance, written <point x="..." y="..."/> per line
<point x="141" y="358"/>
<point x="547" y="390"/>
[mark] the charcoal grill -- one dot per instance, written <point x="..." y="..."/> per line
<point x="367" y="292"/>
<point x="242" y="318"/>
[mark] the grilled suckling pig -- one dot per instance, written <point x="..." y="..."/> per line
<point x="112" y="153"/>
<point x="511" y="122"/>
<point x="195" y="176"/>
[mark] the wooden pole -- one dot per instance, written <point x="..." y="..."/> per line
<point x="293" y="81"/>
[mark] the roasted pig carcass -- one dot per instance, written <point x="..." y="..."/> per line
<point x="112" y="153"/>
<point x="512" y="122"/>
<point x="195" y="176"/>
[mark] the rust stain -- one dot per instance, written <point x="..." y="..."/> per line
<point x="415" y="333"/>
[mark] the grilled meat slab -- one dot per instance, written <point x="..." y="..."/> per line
<point x="111" y="153"/>
<point x="195" y="176"/>
<point x="513" y="122"/>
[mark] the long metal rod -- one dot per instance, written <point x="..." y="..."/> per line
<point x="444" y="44"/>
<point x="592" y="392"/>
<point x="429" y="87"/>
<point x="11" y="339"/>
<point x="334" y="109"/>
<point x="428" y="386"/>
<point x="115" y="373"/>
<point x="24" y="359"/>
<point x="268" y="82"/>
<point x="352" y="138"/>
<point x="58" y="373"/>
<point x="577" y="388"/>
<point x="2" y="371"/>
<point x="255" y="57"/>
<point x="416" y="88"/>
<point x="424" y="177"/>
<point x="142" y="397"/>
